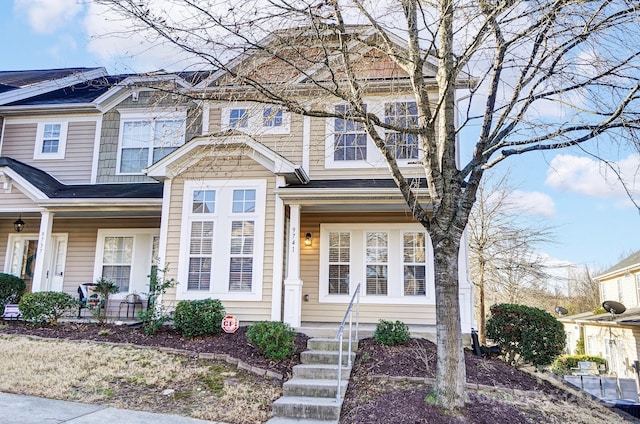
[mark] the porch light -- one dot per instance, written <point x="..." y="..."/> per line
<point x="307" y="239"/>
<point x="18" y="225"/>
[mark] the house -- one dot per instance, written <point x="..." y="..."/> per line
<point x="614" y="335"/>
<point x="276" y="214"/>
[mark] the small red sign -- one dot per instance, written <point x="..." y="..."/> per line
<point x="230" y="324"/>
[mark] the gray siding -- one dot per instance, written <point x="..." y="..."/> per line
<point x="108" y="156"/>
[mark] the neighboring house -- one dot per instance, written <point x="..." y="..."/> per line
<point x="269" y="211"/>
<point x="615" y="337"/>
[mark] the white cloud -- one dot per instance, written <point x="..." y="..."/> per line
<point x="591" y="177"/>
<point x="128" y="46"/>
<point x="532" y="203"/>
<point x="47" y="16"/>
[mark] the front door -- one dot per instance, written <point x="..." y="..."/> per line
<point x="21" y="260"/>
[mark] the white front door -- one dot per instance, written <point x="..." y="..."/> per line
<point x="21" y="257"/>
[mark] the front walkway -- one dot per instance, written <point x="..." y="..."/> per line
<point x="19" y="409"/>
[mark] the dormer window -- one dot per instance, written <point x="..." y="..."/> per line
<point x="145" y="138"/>
<point x="51" y="140"/>
<point x="255" y="119"/>
<point x="238" y="118"/>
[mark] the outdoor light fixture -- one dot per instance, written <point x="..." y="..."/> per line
<point x="307" y="239"/>
<point x="18" y="225"/>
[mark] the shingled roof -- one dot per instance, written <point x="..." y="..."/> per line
<point x="54" y="189"/>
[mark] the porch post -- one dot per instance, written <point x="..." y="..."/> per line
<point x="293" y="283"/>
<point x="40" y="271"/>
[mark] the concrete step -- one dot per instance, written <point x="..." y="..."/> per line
<point x="330" y="344"/>
<point x="324" y="357"/>
<point x="313" y="387"/>
<point x="284" y="420"/>
<point x="307" y="407"/>
<point x="320" y="371"/>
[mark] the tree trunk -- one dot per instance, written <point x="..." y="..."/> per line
<point x="482" y="328"/>
<point x="450" y="382"/>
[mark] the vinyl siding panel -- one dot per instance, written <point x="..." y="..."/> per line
<point x="15" y="200"/>
<point x="231" y="168"/>
<point x="314" y="311"/>
<point x="19" y="143"/>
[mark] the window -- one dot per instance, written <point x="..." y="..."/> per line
<point x="376" y="260"/>
<point x="350" y="138"/>
<point x="392" y="262"/>
<point x="116" y="261"/>
<point x="339" y="262"/>
<point x="226" y="224"/>
<point x="145" y="138"/>
<point x="244" y="201"/>
<point x="200" y="253"/>
<point x="271" y="117"/>
<point x="414" y="263"/>
<point x="238" y="118"/>
<point x="241" y="256"/>
<point x="51" y="139"/>
<point x="403" y="115"/>
<point x="126" y="256"/>
<point x="254" y="118"/>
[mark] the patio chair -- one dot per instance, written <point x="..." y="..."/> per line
<point x="11" y="311"/>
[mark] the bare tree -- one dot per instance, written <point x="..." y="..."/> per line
<point x="577" y="58"/>
<point x="584" y="291"/>
<point x="502" y="246"/>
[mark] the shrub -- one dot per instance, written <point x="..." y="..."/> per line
<point x="391" y="333"/>
<point x="275" y="340"/>
<point x="525" y="334"/>
<point x="46" y="306"/>
<point x="199" y="317"/>
<point x="563" y="365"/>
<point x="11" y="289"/>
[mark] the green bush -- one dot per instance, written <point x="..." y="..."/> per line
<point x="275" y="340"/>
<point x="46" y="306"/>
<point x="199" y="317"/>
<point x="11" y="289"/>
<point x="526" y="335"/>
<point x="391" y="333"/>
<point x="563" y="365"/>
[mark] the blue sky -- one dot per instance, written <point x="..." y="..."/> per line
<point x="595" y="222"/>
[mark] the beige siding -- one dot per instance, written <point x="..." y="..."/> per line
<point x="238" y="168"/>
<point x="287" y="145"/>
<point x="75" y="168"/>
<point x="626" y="339"/>
<point x="621" y="289"/>
<point x="15" y="199"/>
<point x="314" y="311"/>
<point x="18" y="141"/>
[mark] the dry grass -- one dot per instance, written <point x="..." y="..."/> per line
<point x="134" y="378"/>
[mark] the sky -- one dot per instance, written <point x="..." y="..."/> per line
<point x="595" y="223"/>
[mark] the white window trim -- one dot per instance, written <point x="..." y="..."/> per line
<point x="374" y="159"/>
<point x="222" y="217"/>
<point x="62" y="145"/>
<point x="141" y="257"/>
<point x="395" y="285"/>
<point x="254" y="120"/>
<point x="128" y="115"/>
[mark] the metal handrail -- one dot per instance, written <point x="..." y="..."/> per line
<point x="339" y="335"/>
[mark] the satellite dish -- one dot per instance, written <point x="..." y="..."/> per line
<point x="561" y="311"/>
<point x="614" y="307"/>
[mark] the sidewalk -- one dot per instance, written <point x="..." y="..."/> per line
<point x="18" y="409"/>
